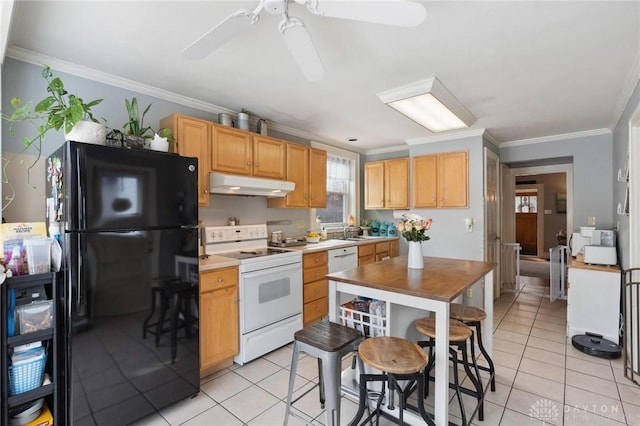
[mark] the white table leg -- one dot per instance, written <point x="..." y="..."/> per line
<point x="442" y="364"/>
<point x="333" y="302"/>
<point x="487" y="338"/>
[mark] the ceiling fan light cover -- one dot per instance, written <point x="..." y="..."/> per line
<point x="429" y="104"/>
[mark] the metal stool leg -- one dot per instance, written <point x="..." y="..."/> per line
<point x="492" y="370"/>
<point x="292" y="380"/>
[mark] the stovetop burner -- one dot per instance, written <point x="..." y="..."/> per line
<point x="251" y="253"/>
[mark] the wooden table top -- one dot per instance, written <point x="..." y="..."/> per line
<point x="441" y="279"/>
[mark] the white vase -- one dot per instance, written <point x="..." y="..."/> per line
<point x="415" y="260"/>
<point x="88" y="132"/>
<point x="159" y="144"/>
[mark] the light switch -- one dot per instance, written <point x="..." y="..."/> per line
<point x="300" y="224"/>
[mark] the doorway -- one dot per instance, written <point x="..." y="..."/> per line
<point x="553" y="187"/>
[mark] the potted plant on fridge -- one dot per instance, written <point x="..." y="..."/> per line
<point x="136" y="133"/>
<point x="59" y="110"/>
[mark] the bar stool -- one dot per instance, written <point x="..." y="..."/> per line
<point x="329" y="342"/>
<point x="472" y="316"/>
<point x="459" y="333"/>
<point x="398" y="359"/>
<point x="174" y="296"/>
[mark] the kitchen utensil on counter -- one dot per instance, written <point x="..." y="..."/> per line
<point x="276" y="237"/>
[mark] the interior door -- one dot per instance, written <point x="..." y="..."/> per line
<point x="492" y="214"/>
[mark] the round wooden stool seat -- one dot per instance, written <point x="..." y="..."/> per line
<point x="393" y="355"/>
<point x="458" y="331"/>
<point x="466" y="313"/>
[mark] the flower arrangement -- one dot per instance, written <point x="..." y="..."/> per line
<point x="413" y="227"/>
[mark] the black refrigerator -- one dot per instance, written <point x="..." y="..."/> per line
<point x="127" y="222"/>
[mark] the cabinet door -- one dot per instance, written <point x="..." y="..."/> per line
<point x="192" y="140"/>
<point x="231" y="150"/>
<point x="219" y="330"/>
<point x="298" y="172"/>
<point x="423" y="174"/>
<point x="396" y="185"/>
<point x="394" y="248"/>
<point x="374" y="185"/>
<point x="452" y="179"/>
<point x="317" y="178"/>
<point x="269" y="157"/>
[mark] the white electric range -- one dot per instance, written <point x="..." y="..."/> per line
<point x="270" y="287"/>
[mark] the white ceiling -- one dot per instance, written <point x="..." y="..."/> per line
<point x="524" y="69"/>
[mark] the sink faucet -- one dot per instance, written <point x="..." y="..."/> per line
<point x="348" y="229"/>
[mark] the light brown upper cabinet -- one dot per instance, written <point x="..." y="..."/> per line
<point x="441" y="180"/>
<point x="307" y="168"/>
<point x="192" y="138"/>
<point x="386" y="184"/>
<point x="240" y="152"/>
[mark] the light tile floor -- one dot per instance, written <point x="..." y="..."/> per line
<point x="541" y="379"/>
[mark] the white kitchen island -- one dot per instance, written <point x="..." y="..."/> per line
<point x="430" y="289"/>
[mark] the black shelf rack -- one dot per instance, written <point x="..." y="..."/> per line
<point x="49" y="391"/>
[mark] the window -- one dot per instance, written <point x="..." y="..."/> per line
<point x="342" y="187"/>
<point x="526" y="202"/>
<point x="338" y="191"/>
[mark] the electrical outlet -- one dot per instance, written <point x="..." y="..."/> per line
<point x="469" y="292"/>
<point x="300" y="224"/>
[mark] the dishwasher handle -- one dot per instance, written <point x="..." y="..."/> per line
<point x="335" y="256"/>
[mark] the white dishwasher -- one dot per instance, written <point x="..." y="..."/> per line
<point x="341" y="259"/>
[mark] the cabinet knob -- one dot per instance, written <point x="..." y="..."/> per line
<point x="257" y="165"/>
<point x="248" y="163"/>
<point x="235" y="299"/>
<point x="220" y="280"/>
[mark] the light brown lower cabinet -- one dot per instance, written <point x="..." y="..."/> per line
<point x="219" y="320"/>
<point x="315" y="286"/>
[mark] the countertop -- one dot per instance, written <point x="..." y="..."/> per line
<point x="331" y="244"/>
<point x="216" y="262"/>
<point x="441" y="279"/>
<point x="578" y="263"/>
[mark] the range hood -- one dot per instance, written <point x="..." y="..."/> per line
<point x="221" y="183"/>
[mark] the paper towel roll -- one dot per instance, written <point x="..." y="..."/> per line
<point x="397" y="214"/>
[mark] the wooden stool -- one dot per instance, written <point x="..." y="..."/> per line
<point x="329" y="342"/>
<point x="398" y="359"/>
<point x="459" y="333"/>
<point x="472" y="316"/>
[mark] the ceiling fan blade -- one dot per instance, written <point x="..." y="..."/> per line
<point x="220" y="34"/>
<point x="389" y="12"/>
<point x="299" y="43"/>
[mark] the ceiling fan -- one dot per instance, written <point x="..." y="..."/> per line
<point x="296" y="37"/>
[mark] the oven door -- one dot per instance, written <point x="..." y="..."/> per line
<point x="270" y="295"/>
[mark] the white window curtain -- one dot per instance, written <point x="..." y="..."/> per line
<point x="338" y="174"/>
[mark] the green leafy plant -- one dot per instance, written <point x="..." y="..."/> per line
<point x="135" y="126"/>
<point x="59" y="110"/>
<point x="366" y="221"/>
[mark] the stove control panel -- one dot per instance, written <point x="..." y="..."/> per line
<point x="228" y="234"/>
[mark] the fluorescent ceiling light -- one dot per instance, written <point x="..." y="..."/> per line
<point x="429" y="104"/>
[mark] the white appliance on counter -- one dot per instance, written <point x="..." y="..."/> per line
<point x="589" y="236"/>
<point x="270" y="287"/>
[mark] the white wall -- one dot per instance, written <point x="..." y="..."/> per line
<point x="592" y="172"/>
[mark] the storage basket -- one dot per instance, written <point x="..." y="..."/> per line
<point x="26" y="376"/>
<point x="356" y="314"/>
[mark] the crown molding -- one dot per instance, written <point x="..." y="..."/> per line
<point x="39" y="59"/>
<point x="386" y="150"/>
<point x="627" y="91"/>
<point x="446" y="136"/>
<point x="553" y="138"/>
